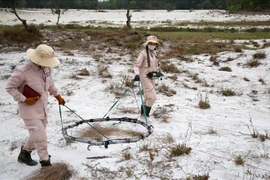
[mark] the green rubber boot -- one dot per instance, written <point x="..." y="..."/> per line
<point x="25" y="157"/>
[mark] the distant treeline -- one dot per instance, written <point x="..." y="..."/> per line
<point x="141" y="4"/>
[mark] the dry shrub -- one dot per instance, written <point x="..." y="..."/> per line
<point x="265" y="45"/>
<point x="253" y="63"/>
<point x="59" y="171"/>
<point x="195" y="47"/>
<point x="237" y="48"/>
<point x="228" y="92"/>
<point x="214" y="59"/>
<point x="204" y="104"/>
<point x="179" y="150"/>
<point x="259" y="55"/>
<point x="95" y="133"/>
<point x="169" y="67"/>
<point x="164" y="89"/>
<point x="84" y="72"/>
<point x="21" y="35"/>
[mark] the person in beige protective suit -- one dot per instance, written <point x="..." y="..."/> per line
<point x="145" y="68"/>
<point x="33" y="110"/>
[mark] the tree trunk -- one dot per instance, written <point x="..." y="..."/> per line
<point x="22" y="20"/>
<point x="128" y="16"/>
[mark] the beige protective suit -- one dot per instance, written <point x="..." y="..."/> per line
<point x="34" y="116"/>
<point x="142" y="69"/>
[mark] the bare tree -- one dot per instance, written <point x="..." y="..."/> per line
<point x="13" y="7"/>
<point x="128" y="15"/>
<point x="58" y="12"/>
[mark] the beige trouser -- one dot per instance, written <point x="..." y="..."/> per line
<point x="37" y="139"/>
<point x="149" y="93"/>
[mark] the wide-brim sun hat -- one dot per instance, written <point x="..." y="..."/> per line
<point x="43" y="55"/>
<point x="152" y="39"/>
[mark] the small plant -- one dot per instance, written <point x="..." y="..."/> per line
<point x="239" y="160"/>
<point x="214" y="60"/>
<point x="229" y="59"/>
<point x="180" y="150"/>
<point x="254" y="92"/>
<point x="103" y="72"/>
<point x="199" y="177"/>
<point x="169" y="67"/>
<point x="69" y="142"/>
<point x="196" y="78"/>
<point x="228" y="92"/>
<point x="127" y="155"/>
<point x="254" y="43"/>
<point x="204" y="104"/>
<point x="253" y="63"/>
<point x="129" y="173"/>
<point x="266" y="44"/>
<point x="127" y="81"/>
<point x="212" y="131"/>
<point x="151" y="156"/>
<point x="253" y="132"/>
<point x="226" y="68"/>
<point x="262" y="81"/>
<point x="145" y="147"/>
<point x="13" y="146"/>
<point x="84" y="72"/>
<point x="238" y="49"/>
<point x="259" y="55"/>
<point x="166" y="90"/>
<point x="174" y="77"/>
<point x="69" y="92"/>
<point x="262" y="137"/>
<point x="246" y="79"/>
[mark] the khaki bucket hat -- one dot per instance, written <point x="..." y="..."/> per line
<point x="152" y="39"/>
<point x="43" y="55"/>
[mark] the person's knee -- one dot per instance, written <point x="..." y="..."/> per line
<point x="153" y="98"/>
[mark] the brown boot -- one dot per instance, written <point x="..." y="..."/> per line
<point x="46" y="162"/>
<point x="25" y="157"/>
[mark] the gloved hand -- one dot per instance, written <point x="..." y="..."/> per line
<point x="31" y="100"/>
<point x="60" y="99"/>
<point x="150" y="75"/>
<point x="137" y="78"/>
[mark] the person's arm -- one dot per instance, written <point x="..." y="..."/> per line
<point x="54" y="92"/>
<point x="139" y="63"/>
<point x="14" y="82"/>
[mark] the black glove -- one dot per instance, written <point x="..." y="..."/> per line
<point x="137" y="78"/>
<point x="149" y="75"/>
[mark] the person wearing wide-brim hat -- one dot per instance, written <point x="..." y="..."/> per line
<point x="29" y="85"/>
<point x="146" y="65"/>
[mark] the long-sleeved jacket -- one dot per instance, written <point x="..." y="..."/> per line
<point x="141" y="67"/>
<point x="38" y="79"/>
